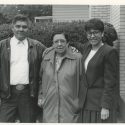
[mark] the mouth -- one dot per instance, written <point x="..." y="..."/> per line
<point x="59" y="47"/>
<point x="20" y="33"/>
<point x="92" y="39"/>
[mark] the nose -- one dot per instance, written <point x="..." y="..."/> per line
<point x="92" y="35"/>
<point x="59" y="42"/>
<point x="21" y="28"/>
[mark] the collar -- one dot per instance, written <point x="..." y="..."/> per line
<point x="30" y="42"/>
<point x="15" y="41"/>
<point x="69" y="53"/>
<point x="51" y="54"/>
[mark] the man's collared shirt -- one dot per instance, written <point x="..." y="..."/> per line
<point x="19" y="66"/>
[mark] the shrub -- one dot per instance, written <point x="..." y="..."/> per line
<point x="5" y="31"/>
<point x="43" y="31"/>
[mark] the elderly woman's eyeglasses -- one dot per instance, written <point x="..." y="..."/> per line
<point x="95" y="33"/>
<point x="59" y="40"/>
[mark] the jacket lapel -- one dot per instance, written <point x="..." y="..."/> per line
<point x="30" y="47"/>
<point x="88" y="49"/>
<point x="93" y="59"/>
<point x="8" y="49"/>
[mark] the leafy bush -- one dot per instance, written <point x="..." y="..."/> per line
<point x="43" y="31"/>
<point x="5" y="31"/>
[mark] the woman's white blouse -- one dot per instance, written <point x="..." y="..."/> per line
<point x="89" y="57"/>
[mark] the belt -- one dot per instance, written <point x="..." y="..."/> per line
<point x="20" y="86"/>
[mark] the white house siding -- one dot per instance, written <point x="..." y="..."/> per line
<point x="122" y="49"/>
<point x="68" y="13"/>
<point x="115" y="16"/>
<point x="100" y="11"/>
<point x="115" y="20"/>
<point x="118" y="20"/>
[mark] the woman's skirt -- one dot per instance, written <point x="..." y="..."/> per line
<point x="90" y="116"/>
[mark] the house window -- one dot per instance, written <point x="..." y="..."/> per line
<point x="43" y="19"/>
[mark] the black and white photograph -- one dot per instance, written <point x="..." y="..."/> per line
<point x="62" y="63"/>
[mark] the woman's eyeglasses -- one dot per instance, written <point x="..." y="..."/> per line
<point x="95" y="33"/>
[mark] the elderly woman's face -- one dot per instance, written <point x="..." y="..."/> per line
<point x="94" y="36"/>
<point x="60" y="43"/>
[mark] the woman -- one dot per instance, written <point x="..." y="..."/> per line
<point x="100" y="77"/>
<point x="60" y="94"/>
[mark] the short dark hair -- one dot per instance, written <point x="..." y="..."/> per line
<point x="20" y="17"/>
<point x="95" y="24"/>
<point x="60" y="32"/>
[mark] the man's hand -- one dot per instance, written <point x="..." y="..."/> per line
<point x="104" y="113"/>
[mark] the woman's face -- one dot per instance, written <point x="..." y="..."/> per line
<point x="60" y="43"/>
<point x="94" y="37"/>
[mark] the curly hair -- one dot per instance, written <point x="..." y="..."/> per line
<point x="95" y="24"/>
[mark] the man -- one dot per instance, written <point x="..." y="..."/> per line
<point x="20" y="59"/>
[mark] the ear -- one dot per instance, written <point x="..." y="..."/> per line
<point x="102" y="34"/>
<point x="68" y="44"/>
<point x="11" y="26"/>
<point x="52" y="43"/>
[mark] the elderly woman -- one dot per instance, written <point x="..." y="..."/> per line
<point x="60" y="92"/>
<point x="100" y="77"/>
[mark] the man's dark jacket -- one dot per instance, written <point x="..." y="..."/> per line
<point x="35" y="51"/>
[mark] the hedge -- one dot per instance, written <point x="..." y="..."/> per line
<point x="43" y="31"/>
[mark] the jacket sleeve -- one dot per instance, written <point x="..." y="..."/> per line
<point x="0" y="57"/>
<point x="42" y="68"/>
<point x="80" y="83"/>
<point x="111" y="74"/>
<point x="41" y="49"/>
<point x="79" y="73"/>
<point x="0" y="63"/>
<point x="40" y="82"/>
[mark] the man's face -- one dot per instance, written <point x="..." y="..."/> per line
<point x="94" y="36"/>
<point x="60" y="43"/>
<point x="20" y="30"/>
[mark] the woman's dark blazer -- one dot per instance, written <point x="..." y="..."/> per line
<point x="101" y="80"/>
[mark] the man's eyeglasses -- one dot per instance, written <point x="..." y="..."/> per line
<point x="95" y="33"/>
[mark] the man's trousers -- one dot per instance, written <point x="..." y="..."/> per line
<point x="20" y="103"/>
